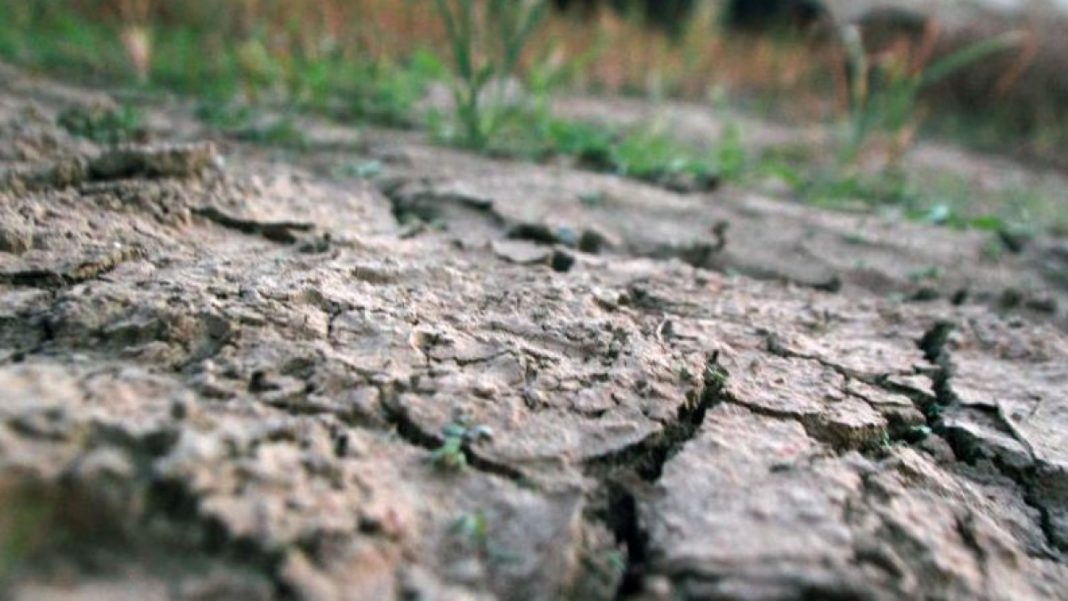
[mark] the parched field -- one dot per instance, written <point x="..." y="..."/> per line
<point x="229" y="371"/>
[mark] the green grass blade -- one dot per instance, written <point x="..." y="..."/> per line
<point x="950" y="64"/>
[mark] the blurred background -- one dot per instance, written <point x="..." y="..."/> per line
<point x="821" y="100"/>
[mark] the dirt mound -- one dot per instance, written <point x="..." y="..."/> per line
<point x="224" y="376"/>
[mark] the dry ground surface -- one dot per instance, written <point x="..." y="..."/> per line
<point x="225" y="370"/>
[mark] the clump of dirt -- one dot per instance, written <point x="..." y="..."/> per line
<point x="236" y="377"/>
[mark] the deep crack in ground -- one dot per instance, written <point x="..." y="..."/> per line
<point x="614" y="501"/>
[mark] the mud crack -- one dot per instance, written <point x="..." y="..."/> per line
<point x="414" y="199"/>
<point x="817" y="428"/>
<point x="647" y="457"/>
<point x="935" y="345"/>
<point x="83" y="272"/>
<point x="123" y="162"/>
<point x="623" y="477"/>
<point x="284" y="232"/>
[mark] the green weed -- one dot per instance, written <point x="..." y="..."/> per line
<point x="450" y="455"/>
<point x="644" y="153"/>
<point x="54" y="39"/>
<point x="225" y="115"/>
<point x="197" y="56"/>
<point x="730" y="156"/>
<point x="472" y="529"/>
<point x="918" y="433"/>
<point x="104" y="125"/>
<point x="855" y="239"/>
<point x="383" y="92"/>
<point x="932" y="273"/>
<point x="993" y="250"/>
<point x="592" y="145"/>
<point x="654" y="156"/>
<point x="885" y="95"/>
<point x="282" y="131"/>
<point x="650" y="154"/>
<point x="715" y="376"/>
<point x="685" y="376"/>
<point x="838" y="190"/>
<point x="457" y="436"/>
<point x="487" y="43"/>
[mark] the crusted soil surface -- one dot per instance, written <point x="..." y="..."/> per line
<point x="227" y="372"/>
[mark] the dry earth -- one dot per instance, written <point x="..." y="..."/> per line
<point x="224" y="372"/>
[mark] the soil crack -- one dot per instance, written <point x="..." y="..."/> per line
<point x="622" y="476"/>
<point x="276" y="231"/>
<point x="123" y="162"/>
<point x="648" y="456"/>
<point x="83" y="272"/>
<point x="935" y="345"/>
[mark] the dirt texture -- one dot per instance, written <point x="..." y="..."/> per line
<point x="227" y="374"/>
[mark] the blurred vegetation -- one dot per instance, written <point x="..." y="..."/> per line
<point x="255" y="65"/>
<point x="104" y="125"/>
<point x="487" y="41"/>
<point x="885" y="94"/>
<point x="25" y="516"/>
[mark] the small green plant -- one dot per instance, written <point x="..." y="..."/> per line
<point x="450" y="455"/>
<point x="487" y="44"/>
<point x="715" y="376"/>
<point x="918" y="433"/>
<point x="856" y="239"/>
<point x="104" y="125"/>
<point x="282" y="131"/>
<point x="652" y="155"/>
<point x="457" y="437"/>
<point x="730" y="156"/>
<point x="593" y="200"/>
<point x="992" y="250"/>
<point x="259" y="70"/>
<point x="832" y="188"/>
<point x="932" y="273"/>
<point x="685" y="376"/>
<point x="616" y="561"/>
<point x="224" y="115"/>
<point x="382" y="92"/>
<point x="245" y="123"/>
<point x="885" y="94"/>
<point x="646" y="153"/>
<point x="472" y="529"/>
